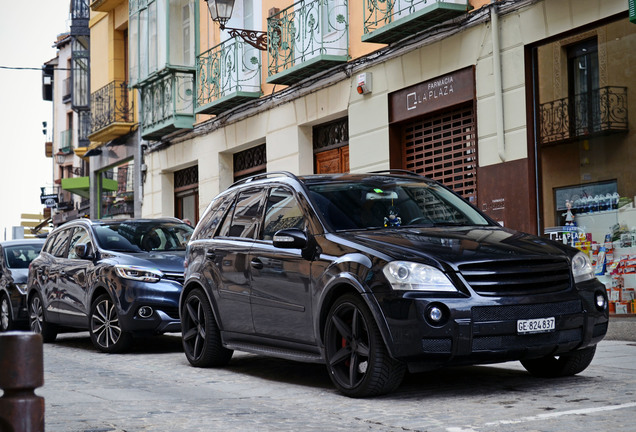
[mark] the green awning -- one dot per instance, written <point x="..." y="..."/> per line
<point x="81" y="185"/>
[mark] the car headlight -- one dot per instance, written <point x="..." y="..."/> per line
<point x="582" y="269"/>
<point x="405" y="275"/>
<point x="141" y="274"/>
<point x="22" y="287"/>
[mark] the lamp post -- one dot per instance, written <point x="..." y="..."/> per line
<point x="221" y="11"/>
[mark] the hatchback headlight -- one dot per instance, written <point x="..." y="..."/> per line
<point x="582" y="269"/>
<point x="141" y="274"/>
<point x="404" y="275"/>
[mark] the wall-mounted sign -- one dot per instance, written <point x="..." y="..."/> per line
<point x="49" y="200"/>
<point x="432" y="95"/>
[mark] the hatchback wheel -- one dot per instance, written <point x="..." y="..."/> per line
<point x="6" y="323"/>
<point x="105" y="329"/>
<point x="564" y="365"/>
<point x="37" y="320"/>
<point x="200" y="333"/>
<point x="357" y="359"/>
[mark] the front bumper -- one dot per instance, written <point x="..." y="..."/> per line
<point x="163" y="300"/>
<point x="478" y="330"/>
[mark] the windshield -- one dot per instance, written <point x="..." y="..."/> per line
<point x="143" y="236"/>
<point x="388" y="202"/>
<point x="20" y="256"/>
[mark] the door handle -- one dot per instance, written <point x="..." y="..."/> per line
<point x="257" y="264"/>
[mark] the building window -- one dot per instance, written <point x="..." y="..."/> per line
<point x="186" y="194"/>
<point x="249" y="162"/>
<point x="583" y="73"/>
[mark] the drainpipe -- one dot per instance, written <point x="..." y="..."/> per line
<point x="496" y="66"/>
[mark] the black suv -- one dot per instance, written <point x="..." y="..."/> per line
<point x="372" y="274"/>
<point x="115" y="278"/>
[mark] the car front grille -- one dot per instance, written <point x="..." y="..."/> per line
<point x="517" y="277"/>
<point x="177" y="277"/>
<point x="502" y="320"/>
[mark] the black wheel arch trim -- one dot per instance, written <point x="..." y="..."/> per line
<point x="348" y="283"/>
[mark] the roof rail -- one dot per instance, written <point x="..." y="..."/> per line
<point x="397" y="171"/>
<point x="264" y="176"/>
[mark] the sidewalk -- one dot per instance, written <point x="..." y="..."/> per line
<point x="622" y="328"/>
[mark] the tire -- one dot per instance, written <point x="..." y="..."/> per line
<point x="358" y="362"/>
<point x="564" y="365"/>
<point x="200" y="333"/>
<point x="37" y="320"/>
<point x="104" y="327"/>
<point x="6" y="321"/>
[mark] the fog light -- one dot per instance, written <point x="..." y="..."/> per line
<point x="600" y="301"/>
<point x="435" y="314"/>
<point x="145" y="312"/>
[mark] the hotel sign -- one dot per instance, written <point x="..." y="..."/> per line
<point x="428" y="96"/>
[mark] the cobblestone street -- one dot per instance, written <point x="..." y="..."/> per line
<point x="154" y="388"/>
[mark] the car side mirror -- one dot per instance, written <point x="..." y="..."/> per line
<point x="291" y="238"/>
<point x="83" y="251"/>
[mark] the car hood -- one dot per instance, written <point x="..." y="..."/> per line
<point x="457" y="245"/>
<point x="19" y="275"/>
<point x="167" y="262"/>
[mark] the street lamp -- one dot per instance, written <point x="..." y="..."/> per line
<point x="221" y="11"/>
<point x="60" y="158"/>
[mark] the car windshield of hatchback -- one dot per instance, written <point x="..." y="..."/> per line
<point x="143" y="236"/>
<point x="391" y="203"/>
<point x="19" y="257"/>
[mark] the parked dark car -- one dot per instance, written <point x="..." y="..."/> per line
<point x="15" y="257"/>
<point x="115" y="278"/>
<point x="374" y="274"/>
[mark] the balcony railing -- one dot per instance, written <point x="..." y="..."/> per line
<point x="387" y="21"/>
<point x="167" y="103"/>
<point x="227" y="75"/>
<point x="66" y="141"/>
<point x="601" y="111"/>
<point x="307" y="37"/>
<point x="111" y="111"/>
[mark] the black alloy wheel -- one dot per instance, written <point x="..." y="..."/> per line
<point x="564" y="365"/>
<point x="357" y="359"/>
<point x="104" y="327"/>
<point x="6" y="323"/>
<point x="37" y="320"/>
<point x="200" y="333"/>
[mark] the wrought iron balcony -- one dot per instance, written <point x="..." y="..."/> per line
<point x="599" y="112"/>
<point x="227" y="75"/>
<point x="112" y="108"/>
<point x="387" y="21"/>
<point x="167" y="103"/>
<point x="307" y="37"/>
<point x="66" y="141"/>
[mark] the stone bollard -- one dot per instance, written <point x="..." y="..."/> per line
<point x="21" y="372"/>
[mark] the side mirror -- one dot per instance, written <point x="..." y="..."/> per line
<point x="292" y="238"/>
<point x="83" y="251"/>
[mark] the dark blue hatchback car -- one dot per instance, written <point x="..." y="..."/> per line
<point x="115" y="278"/>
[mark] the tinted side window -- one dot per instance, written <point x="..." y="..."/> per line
<point x="48" y="246"/>
<point x="80" y="235"/>
<point x="213" y="217"/>
<point x="281" y="211"/>
<point x="60" y="246"/>
<point x="246" y="215"/>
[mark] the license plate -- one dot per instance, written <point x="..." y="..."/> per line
<point x="540" y="325"/>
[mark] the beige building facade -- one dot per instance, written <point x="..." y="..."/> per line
<point x="501" y="135"/>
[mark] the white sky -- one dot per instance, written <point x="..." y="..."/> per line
<point x="28" y="30"/>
